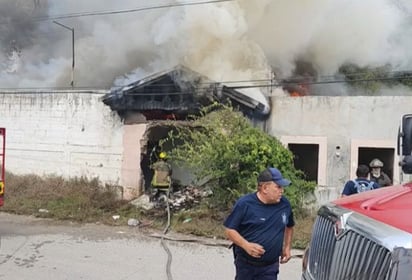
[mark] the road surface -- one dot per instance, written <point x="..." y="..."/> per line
<point x="33" y="248"/>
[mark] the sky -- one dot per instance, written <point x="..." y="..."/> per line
<point x="227" y="41"/>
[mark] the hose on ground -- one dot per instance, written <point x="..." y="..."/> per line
<point x="163" y="242"/>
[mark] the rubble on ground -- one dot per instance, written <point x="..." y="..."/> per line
<point x="143" y="202"/>
<point x="185" y="198"/>
<point x="133" y="222"/>
<point x="188" y="197"/>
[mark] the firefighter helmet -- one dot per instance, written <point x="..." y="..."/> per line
<point x="376" y="163"/>
<point x="162" y="155"/>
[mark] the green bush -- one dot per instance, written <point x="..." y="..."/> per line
<point x="372" y="79"/>
<point x="226" y="151"/>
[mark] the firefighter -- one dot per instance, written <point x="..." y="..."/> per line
<point x="161" y="181"/>
<point x="377" y="175"/>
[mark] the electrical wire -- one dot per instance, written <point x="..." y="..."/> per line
<point x="203" y="87"/>
<point x="389" y="75"/>
<point x="326" y="82"/>
<point x="58" y="90"/>
<point x="134" y="10"/>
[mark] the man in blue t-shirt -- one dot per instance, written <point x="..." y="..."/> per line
<point x="261" y="228"/>
<point x="361" y="183"/>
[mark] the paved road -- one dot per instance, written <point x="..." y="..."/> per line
<point x="42" y="249"/>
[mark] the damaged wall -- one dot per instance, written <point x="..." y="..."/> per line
<point x="340" y="125"/>
<point x="64" y="133"/>
<point x="75" y="134"/>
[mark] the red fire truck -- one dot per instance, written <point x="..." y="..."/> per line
<point x="2" y="161"/>
<point x="367" y="235"/>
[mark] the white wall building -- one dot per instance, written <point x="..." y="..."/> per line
<point x="343" y="131"/>
<point x="72" y="133"/>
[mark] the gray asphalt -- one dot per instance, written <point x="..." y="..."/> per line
<point x="33" y="248"/>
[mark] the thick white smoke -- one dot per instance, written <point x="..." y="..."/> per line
<point x="237" y="40"/>
<point x="331" y="33"/>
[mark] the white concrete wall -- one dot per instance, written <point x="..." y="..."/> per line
<point x="62" y="133"/>
<point x="345" y="121"/>
<point x="75" y="134"/>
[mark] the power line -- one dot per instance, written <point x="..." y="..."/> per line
<point x="327" y="82"/>
<point x="233" y="84"/>
<point x="201" y="89"/>
<point x="102" y="13"/>
<point x="306" y="80"/>
<point x="54" y="90"/>
<point x="259" y="83"/>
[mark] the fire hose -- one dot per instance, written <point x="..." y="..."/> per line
<point x="163" y="242"/>
<point x="163" y="239"/>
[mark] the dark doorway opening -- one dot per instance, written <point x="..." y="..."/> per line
<point x="306" y="158"/>
<point x="386" y="155"/>
<point x="151" y="149"/>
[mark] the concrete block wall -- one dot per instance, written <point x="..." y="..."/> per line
<point x="347" y="122"/>
<point x="65" y="133"/>
<point x="72" y="133"/>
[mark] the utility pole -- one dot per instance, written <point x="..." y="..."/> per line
<point x="72" y="30"/>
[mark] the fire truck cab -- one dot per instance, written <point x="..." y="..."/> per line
<point x="2" y="163"/>
<point x="367" y="235"/>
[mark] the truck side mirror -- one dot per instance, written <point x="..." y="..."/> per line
<point x="405" y="136"/>
<point x="406" y="164"/>
<point x="405" y="144"/>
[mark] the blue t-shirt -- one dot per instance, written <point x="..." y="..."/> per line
<point x="261" y="223"/>
<point x="361" y="185"/>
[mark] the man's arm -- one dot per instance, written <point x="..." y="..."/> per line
<point x="253" y="249"/>
<point x="287" y="245"/>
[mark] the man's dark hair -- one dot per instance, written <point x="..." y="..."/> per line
<point x="362" y="171"/>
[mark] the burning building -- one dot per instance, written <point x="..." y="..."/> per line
<point x="230" y="51"/>
<point x="179" y="92"/>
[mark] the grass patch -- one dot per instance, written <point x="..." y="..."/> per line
<point x="201" y="222"/>
<point x="76" y="199"/>
<point x="302" y="231"/>
<point x="83" y="200"/>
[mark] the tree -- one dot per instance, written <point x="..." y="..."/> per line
<point x="224" y="150"/>
<point x="372" y="80"/>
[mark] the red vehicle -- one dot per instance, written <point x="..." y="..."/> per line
<point x="367" y="235"/>
<point x="2" y="167"/>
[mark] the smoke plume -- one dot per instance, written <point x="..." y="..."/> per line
<point x="227" y="41"/>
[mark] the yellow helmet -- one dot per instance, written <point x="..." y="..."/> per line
<point x="162" y="155"/>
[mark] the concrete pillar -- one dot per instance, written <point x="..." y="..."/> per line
<point x="131" y="172"/>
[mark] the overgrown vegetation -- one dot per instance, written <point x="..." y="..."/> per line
<point x="76" y="199"/>
<point x="372" y="79"/>
<point x="226" y="152"/>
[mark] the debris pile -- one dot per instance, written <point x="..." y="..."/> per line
<point x="185" y="198"/>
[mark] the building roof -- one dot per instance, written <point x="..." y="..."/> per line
<point x="179" y="90"/>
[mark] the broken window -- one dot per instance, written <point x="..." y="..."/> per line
<point x="306" y="159"/>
